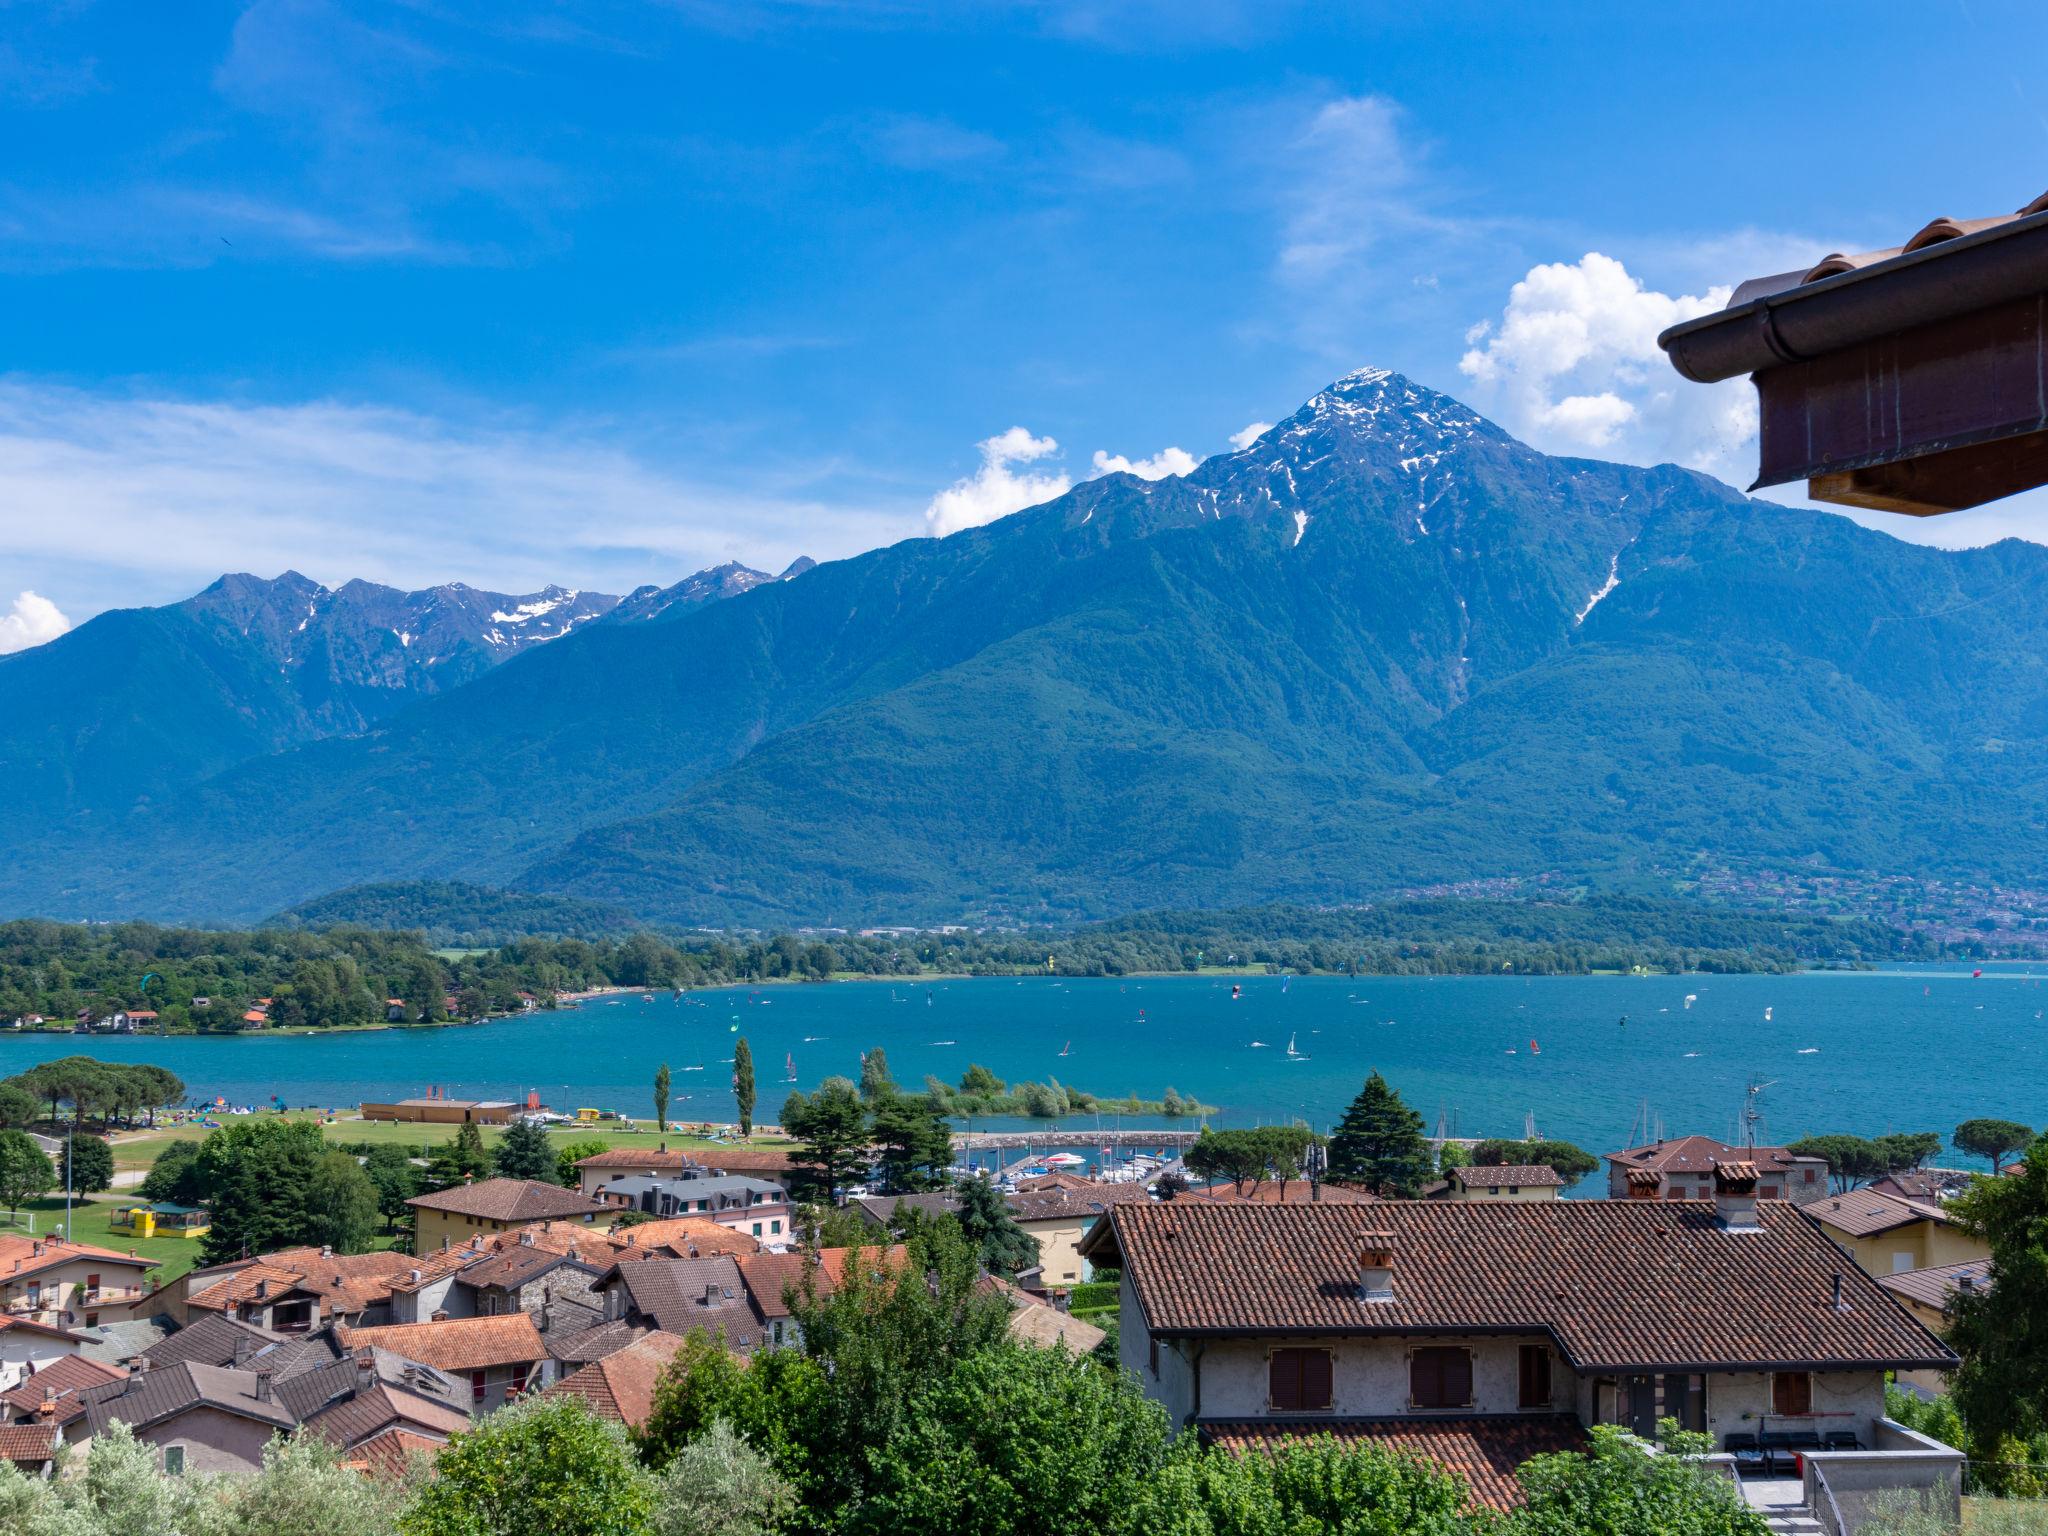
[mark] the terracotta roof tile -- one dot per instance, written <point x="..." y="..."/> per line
<point x="456" y="1344"/>
<point x="390" y="1455"/>
<point x="1294" y="1192"/>
<point x="520" y="1200"/>
<point x="23" y="1256"/>
<point x="770" y="1277"/>
<point x="621" y="1385"/>
<point x="681" y="1234"/>
<point x="65" y="1377"/>
<point x="1617" y="1283"/>
<point x="1865" y="1213"/>
<point x="1932" y="1287"/>
<point x="1485" y="1452"/>
<point x="1520" y="1175"/>
<point x="1698" y="1154"/>
<point x="1068" y="1203"/>
<point x="28" y="1444"/>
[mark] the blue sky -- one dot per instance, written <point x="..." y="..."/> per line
<point x="604" y="293"/>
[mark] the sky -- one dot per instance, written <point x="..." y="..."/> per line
<point x="604" y="293"/>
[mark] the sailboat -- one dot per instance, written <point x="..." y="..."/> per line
<point x="1067" y="1048"/>
<point x="697" y="1068"/>
<point x="1292" y="1053"/>
<point x="789" y="1068"/>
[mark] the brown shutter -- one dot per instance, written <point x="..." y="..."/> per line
<point x="1315" y="1378"/>
<point x="1284" y="1386"/>
<point x="1425" y="1379"/>
<point x="1457" y="1378"/>
<point x="1791" y="1392"/>
<point x="1535" y="1376"/>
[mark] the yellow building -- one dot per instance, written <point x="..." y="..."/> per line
<point x="489" y="1206"/>
<point x="1889" y="1235"/>
<point x="1514" y="1182"/>
<point x="1926" y="1293"/>
<point x="161" y="1219"/>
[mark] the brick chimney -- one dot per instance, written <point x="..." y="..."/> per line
<point x="1376" y="1266"/>
<point x="1735" y="1196"/>
<point x="263" y="1386"/>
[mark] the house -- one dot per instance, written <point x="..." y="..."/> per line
<point x="1058" y="1212"/>
<point x="295" y="1290"/>
<point x="26" y="1345"/>
<point x="394" y="1010"/>
<point x="523" y="1276"/>
<point x="50" y="1393"/>
<point x="120" y="1343"/>
<point x="1934" y="1186"/>
<point x="773" y="1280"/>
<point x="682" y="1237"/>
<point x="201" y="1418"/>
<point x="498" y="1205"/>
<point x="1036" y="1321"/>
<point x="1682" y="1168"/>
<point x="53" y="1281"/>
<point x="680" y="1296"/>
<point x="32" y="1448"/>
<point x="499" y="1357"/>
<point x="1476" y="1330"/>
<point x="1886" y="1234"/>
<point x="760" y="1209"/>
<point x="620" y="1387"/>
<point x="1505" y="1181"/>
<point x="1273" y="1192"/>
<point x="1927" y="1294"/>
<point x="601" y="1168"/>
<point x="879" y="1211"/>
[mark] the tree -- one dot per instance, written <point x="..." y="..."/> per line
<point x="573" y="1152"/>
<point x="1902" y="1150"/>
<point x="1379" y="1143"/>
<point x="1318" y="1486"/>
<point x="2001" y="1330"/>
<point x="875" y="1081"/>
<point x="743" y="1084"/>
<point x="1850" y="1159"/>
<point x="174" y="1177"/>
<point x="254" y="1177"/>
<point x="978" y="1082"/>
<point x="88" y="1161"/>
<point x="25" y="1173"/>
<point x="832" y="1125"/>
<point x="1247" y="1156"/>
<point x="545" y="1464"/>
<point x="1453" y="1155"/>
<point x="1571" y="1163"/>
<point x="1991" y="1139"/>
<point x="460" y="1160"/>
<point x="1619" y="1488"/>
<point x="392" y="1175"/>
<point x="341" y="1203"/>
<point x="17" y="1106"/>
<point x="1000" y="1245"/>
<point x="719" y="1485"/>
<point x="523" y="1152"/>
<point x="661" y="1097"/>
<point x="916" y="1146"/>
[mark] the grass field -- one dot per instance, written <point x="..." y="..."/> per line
<point x="89" y="1218"/>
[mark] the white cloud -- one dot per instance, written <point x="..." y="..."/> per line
<point x="149" y="499"/>
<point x="1167" y="461"/>
<point x="996" y="490"/>
<point x="32" y="620"/>
<point x="1245" y="436"/>
<point x="1573" y="365"/>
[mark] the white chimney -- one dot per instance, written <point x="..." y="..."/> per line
<point x="1735" y="1196"/>
<point x="1376" y="1266"/>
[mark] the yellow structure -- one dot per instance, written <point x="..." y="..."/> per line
<point x="491" y="1206"/>
<point x="160" y="1220"/>
<point x="589" y="1116"/>
<point x="1506" y="1182"/>
<point x="1888" y="1235"/>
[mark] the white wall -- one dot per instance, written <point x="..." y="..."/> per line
<point x="1369" y="1377"/>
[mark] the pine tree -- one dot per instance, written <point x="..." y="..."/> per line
<point x="661" y="1081"/>
<point x="832" y="1124"/>
<point x="1379" y="1143"/>
<point x="523" y="1152"/>
<point x="743" y="1084"/>
<point x="916" y="1143"/>
<point x="875" y="1082"/>
<point x="1002" y="1245"/>
<point x="455" y="1161"/>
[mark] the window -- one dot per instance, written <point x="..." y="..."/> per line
<point x="174" y="1460"/>
<point x="1493" y="1189"/>
<point x="757" y="1229"/>
<point x="92" y="1284"/>
<point x="1152" y="1356"/>
<point x="92" y="1319"/>
<point x="1769" y="1192"/>
<point x="1809" y="1175"/>
<point x="1535" y="1376"/>
<point x="1299" y="1380"/>
<point x="1791" y="1392"/>
<point x="1440" y="1376"/>
<point x="775" y="1229"/>
<point x="1514" y="1189"/>
<point x="476" y="1386"/>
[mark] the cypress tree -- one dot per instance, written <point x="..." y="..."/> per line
<point x="743" y="1084"/>
<point x="1379" y="1143"/>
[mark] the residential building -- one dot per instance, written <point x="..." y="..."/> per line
<point x="499" y="1357"/>
<point x="1483" y="1329"/>
<point x="620" y="1387"/>
<point x="200" y="1418"/>
<point x="31" y="1448"/>
<point x="489" y="1206"/>
<point x="773" y="1280"/>
<point x="680" y="1296"/>
<point x="66" y="1284"/>
<point x="1058" y="1213"/>
<point x="1505" y="1181"/>
<point x="1682" y="1168"/>
<point x="657" y="1162"/>
<point x="1927" y="1294"/>
<point x="1888" y="1235"/>
<point x="760" y="1209"/>
<point x="26" y="1345"/>
<point x="49" y="1394"/>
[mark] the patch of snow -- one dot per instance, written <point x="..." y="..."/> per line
<point x="527" y="612"/>
<point x="404" y="639"/>
<point x="1613" y="581"/>
<point x="1300" y="527"/>
<point x="1089" y="518"/>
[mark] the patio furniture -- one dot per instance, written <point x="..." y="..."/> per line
<point x="1841" y="1440"/>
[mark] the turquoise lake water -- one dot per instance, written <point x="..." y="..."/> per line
<point x="1864" y="1051"/>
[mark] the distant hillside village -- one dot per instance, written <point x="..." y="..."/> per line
<point x="1754" y="1332"/>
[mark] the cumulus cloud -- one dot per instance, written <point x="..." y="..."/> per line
<point x="997" y="489"/>
<point x="1573" y="365"/>
<point x="32" y="620"/>
<point x="1167" y="461"/>
<point x="149" y="499"/>
<point x="1245" y="436"/>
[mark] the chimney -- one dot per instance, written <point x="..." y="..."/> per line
<point x="1376" y="1266"/>
<point x="1840" y="1304"/>
<point x="262" y="1290"/>
<point x="1735" y="1196"/>
<point x="366" y="1364"/>
<point x="263" y="1386"/>
<point x="326" y="1251"/>
<point x="440" y="1315"/>
<point x="413" y="1276"/>
<point x="1966" y="1281"/>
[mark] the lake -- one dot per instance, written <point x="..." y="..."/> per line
<point x="1896" y="1049"/>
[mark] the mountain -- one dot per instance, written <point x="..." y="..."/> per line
<point x="1386" y="644"/>
<point x="644" y="604"/>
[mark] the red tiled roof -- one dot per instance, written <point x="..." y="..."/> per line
<point x="1521" y="1175"/>
<point x="1068" y="1203"/>
<point x="770" y="1276"/>
<point x="253" y="1282"/>
<point x="23" y="1256"/>
<point x="1294" y="1192"/>
<point x="1698" y="1154"/>
<point x="1618" y="1284"/>
<point x="390" y="1454"/>
<point x="633" y="1157"/>
<point x="66" y="1377"/>
<point x="685" y="1237"/>
<point x="457" y="1344"/>
<point x="28" y="1444"/>
<point x="1865" y="1213"/>
<point x="1485" y="1452"/>
<point x="521" y="1200"/>
<point x="621" y="1385"/>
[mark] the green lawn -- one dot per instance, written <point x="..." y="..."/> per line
<point x="89" y="1218"/>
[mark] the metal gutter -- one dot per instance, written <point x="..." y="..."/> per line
<point x="1937" y="282"/>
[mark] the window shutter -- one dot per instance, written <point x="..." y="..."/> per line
<point x="1535" y="1376"/>
<point x="1791" y="1392"/>
<point x="1315" y="1378"/>
<point x="1457" y="1378"/>
<point x="1425" y="1379"/>
<point x="1285" y="1386"/>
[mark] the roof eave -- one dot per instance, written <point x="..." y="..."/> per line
<point x="1949" y="278"/>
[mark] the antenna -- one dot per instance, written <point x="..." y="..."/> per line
<point x="1752" y="1116"/>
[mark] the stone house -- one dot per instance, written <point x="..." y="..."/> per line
<point x="490" y="1206"/>
<point x="1682" y="1168"/>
